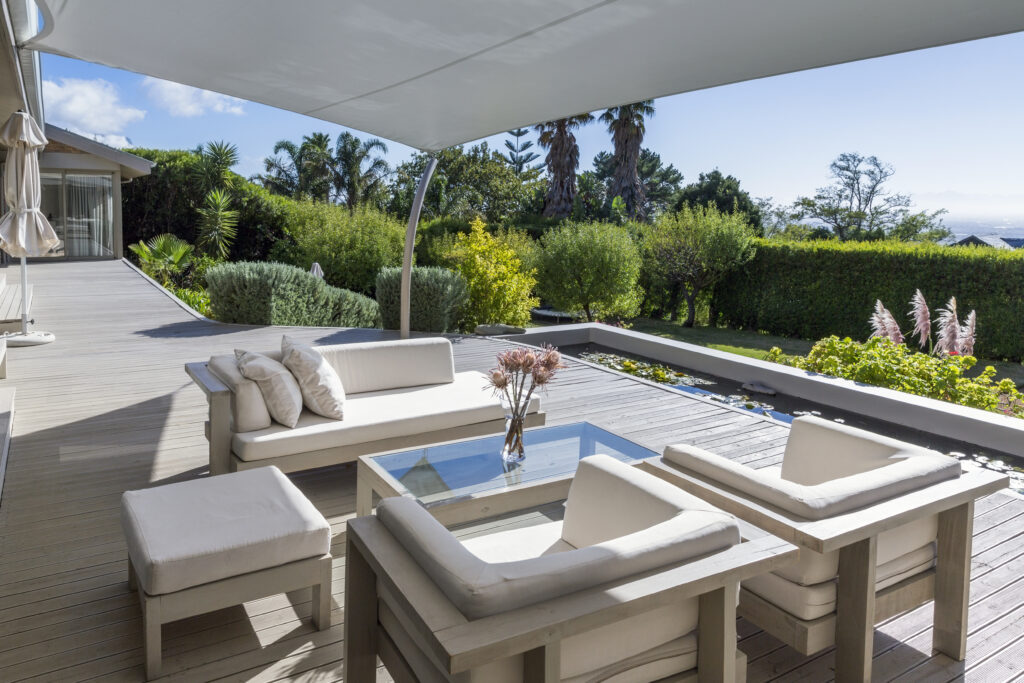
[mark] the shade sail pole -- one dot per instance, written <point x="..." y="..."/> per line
<point x="410" y="244"/>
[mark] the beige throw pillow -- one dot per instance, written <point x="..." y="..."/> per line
<point x="321" y="388"/>
<point x="279" y="388"/>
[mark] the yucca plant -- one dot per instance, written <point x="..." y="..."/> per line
<point x="163" y="257"/>
<point x="217" y="224"/>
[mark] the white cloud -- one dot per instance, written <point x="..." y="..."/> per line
<point x="184" y="100"/>
<point x="118" y="141"/>
<point x="89" y="107"/>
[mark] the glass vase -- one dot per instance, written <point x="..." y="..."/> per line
<point x="513" y="450"/>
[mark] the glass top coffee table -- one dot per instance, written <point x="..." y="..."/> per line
<point x="464" y="480"/>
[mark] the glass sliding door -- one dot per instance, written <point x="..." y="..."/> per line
<point x="80" y="207"/>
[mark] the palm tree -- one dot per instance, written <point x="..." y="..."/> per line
<point x="626" y="124"/>
<point x="318" y="165"/>
<point x="305" y="170"/>
<point x="352" y="181"/>
<point x="282" y="175"/>
<point x="562" y="160"/>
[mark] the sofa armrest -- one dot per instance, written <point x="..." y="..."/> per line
<point x="219" y="426"/>
<point x="206" y="380"/>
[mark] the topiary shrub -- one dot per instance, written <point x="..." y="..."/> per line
<point x="279" y="294"/>
<point x="437" y="298"/>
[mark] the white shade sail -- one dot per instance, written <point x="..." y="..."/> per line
<point x="433" y="73"/>
<point x="24" y="230"/>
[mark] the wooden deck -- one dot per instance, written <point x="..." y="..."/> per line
<point x="108" y="408"/>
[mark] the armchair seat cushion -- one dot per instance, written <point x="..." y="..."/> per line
<point x="376" y="415"/>
<point x="814" y="601"/>
<point x="479" y="588"/>
<point x="195" y="532"/>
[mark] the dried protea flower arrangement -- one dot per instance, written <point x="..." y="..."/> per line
<point x="520" y="372"/>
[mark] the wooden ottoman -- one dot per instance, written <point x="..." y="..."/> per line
<point x="203" y="545"/>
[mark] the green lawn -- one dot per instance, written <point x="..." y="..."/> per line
<point x="755" y="344"/>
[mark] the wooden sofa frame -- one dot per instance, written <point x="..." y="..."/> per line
<point x="394" y="611"/>
<point x="157" y="610"/>
<point x="219" y="433"/>
<point x="858" y="606"/>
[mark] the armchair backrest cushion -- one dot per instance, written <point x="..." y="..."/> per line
<point x="819" y="450"/>
<point x="478" y="588"/>
<point x="609" y="499"/>
<point x="828" y="499"/>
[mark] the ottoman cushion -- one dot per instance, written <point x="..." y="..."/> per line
<point x="194" y="532"/>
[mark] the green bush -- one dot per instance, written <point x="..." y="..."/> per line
<point x="498" y="284"/>
<point x="883" y="363"/>
<point x="351" y="247"/>
<point x="280" y="294"/>
<point x="816" y="289"/>
<point x="437" y="298"/>
<point x="590" y="267"/>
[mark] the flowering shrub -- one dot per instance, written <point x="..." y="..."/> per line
<point x="882" y="363"/>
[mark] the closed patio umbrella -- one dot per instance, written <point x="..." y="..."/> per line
<point x="24" y="230"/>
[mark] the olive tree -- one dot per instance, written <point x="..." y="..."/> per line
<point x="692" y="249"/>
<point x="590" y="267"/>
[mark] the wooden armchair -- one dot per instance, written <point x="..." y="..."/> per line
<point x="883" y="527"/>
<point x="433" y="608"/>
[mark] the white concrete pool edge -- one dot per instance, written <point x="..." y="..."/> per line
<point x="982" y="428"/>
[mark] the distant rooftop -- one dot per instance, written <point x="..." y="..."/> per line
<point x="986" y="241"/>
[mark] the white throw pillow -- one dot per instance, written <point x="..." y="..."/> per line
<point x="321" y="388"/>
<point x="279" y="388"/>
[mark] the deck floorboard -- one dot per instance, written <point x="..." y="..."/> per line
<point x="108" y="407"/>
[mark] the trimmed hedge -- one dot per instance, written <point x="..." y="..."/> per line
<point x="816" y="289"/>
<point x="438" y="295"/>
<point x="280" y="294"/>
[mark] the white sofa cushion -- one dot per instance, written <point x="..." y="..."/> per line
<point x="322" y="391"/>
<point x="377" y="415"/>
<point x="818" y="600"/>
<point x="248" y="409"/>
<point x="364" y="367"/>
<point x="820" y="450"/>
<point x="377" y="366"/>
<point x="907" y="472"/>
<point x="194" y="532"/>
<point x="281" y="392"/>
<point x="478" y="588"/>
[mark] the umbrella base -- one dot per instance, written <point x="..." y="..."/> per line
<point x="33" y="338"/>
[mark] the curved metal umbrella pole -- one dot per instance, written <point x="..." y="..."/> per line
<point x="410" y="244"/>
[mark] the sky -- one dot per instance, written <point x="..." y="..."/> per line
<point x="950" y="120"/>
